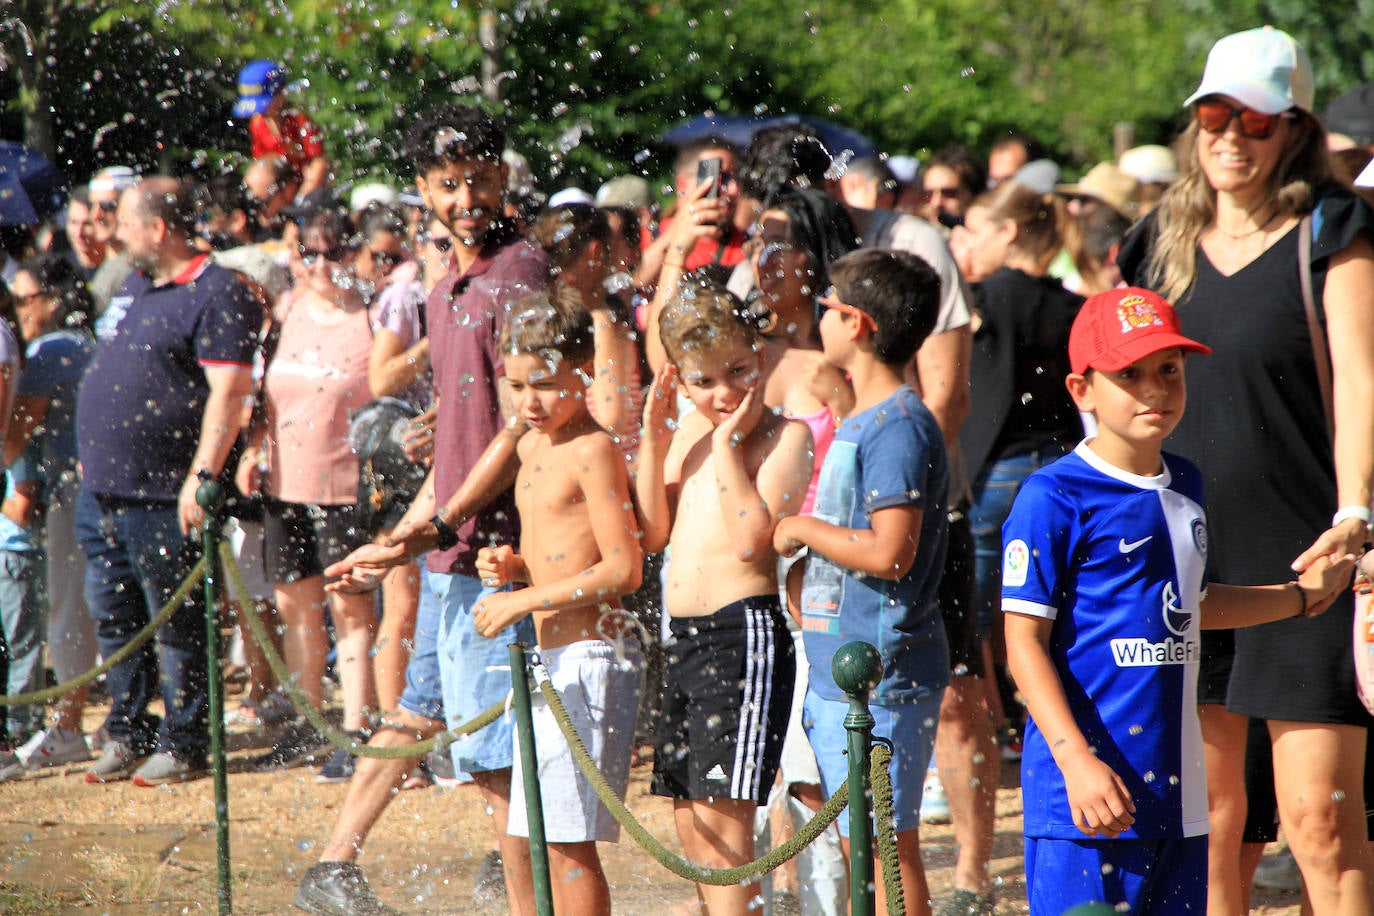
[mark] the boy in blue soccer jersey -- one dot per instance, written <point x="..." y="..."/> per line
<point x="877" y="538"/>
<point x="1104" y="589"/>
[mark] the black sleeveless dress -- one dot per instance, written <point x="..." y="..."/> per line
<point x="1256" y="427"/>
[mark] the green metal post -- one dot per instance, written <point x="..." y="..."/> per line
<point x="210" y="497"/>
<point x="857" y="668"/>
<point x="529" y="765"/>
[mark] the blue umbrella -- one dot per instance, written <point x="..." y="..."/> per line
<point x="31" y="188"/>
<point x="739" y="129"/>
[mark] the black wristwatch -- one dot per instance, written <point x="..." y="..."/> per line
<point x="447" y="536"/>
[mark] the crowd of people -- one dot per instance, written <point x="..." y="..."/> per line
<point x="689" y="450"/>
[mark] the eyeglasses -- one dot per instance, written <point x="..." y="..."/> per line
<point x="310" y="255"/>
<point x="932" y="193"/>
<point x="385" y="258"/>
<point x="1215" y="116"/>
<point x="441" y="243"/>
<point x="829" y="301"/>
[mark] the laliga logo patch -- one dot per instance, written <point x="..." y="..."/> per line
<point x="1176" y="618"/>
<point x="1200" y="537"/>
<point x="1015" y="563"/>
<point x="1134" y="312"/>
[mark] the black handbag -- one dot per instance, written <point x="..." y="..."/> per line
<point x="388" y="481"/>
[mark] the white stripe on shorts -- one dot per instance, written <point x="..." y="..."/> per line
<point x="751" y="736"/>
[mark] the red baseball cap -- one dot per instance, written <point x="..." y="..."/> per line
<point x="1118" y="327"/>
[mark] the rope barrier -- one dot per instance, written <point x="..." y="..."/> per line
<point x="887" y="827"/>
<point x="670" y="860"/>
<point x="142" y="636"/>
<point x="336" y="736"/>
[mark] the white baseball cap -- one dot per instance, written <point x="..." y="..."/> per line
<point x="1263" y="69"/>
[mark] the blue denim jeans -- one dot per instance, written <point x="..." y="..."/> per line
<point x="22" y="627"/>
<point x="136" y="557"/>
<point x="993" y="495"/>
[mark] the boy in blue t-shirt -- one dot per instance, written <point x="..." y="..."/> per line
<point x="1104" y="588"/>
<point x="877" y="537"/>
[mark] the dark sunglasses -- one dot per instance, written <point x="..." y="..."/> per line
<point x="310" y="255"/>
<point x="385" y="258"/>
<point x="442" y="244"/>
<point x="1215" y="116"/>
<point x="109" y="206"/>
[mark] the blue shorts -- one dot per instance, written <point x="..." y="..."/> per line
<point x="424" y="694"/>
<point x="1140" y="877"/>
<point x="475" y="673"/>
<point x="909" y="726"/>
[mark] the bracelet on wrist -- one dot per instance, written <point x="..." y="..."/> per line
<point x="1348" y="512"/>
<point x="1302" y="598"/>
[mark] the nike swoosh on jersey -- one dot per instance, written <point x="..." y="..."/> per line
<point x="1127" y="548"/>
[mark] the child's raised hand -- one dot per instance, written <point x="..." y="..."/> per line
<point x="496" y="612"/>
<point x="496" y="566"/>
<point x="1322" y="581"/>
<point x="1098" y="798"/>
<point x="734" y="428"/>
<point x="660" y="407"/>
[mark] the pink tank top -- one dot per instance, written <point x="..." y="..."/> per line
<point x="822" y="426"/>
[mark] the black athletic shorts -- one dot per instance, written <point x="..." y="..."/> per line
<point x="299" y="541"/>
<point x="727" y="693"/>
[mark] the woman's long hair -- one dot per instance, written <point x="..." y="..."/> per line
<point x="1188" y="207"/>
<point x="817" y="225"/>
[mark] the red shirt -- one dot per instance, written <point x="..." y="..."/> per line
<point x="300" y="139"/>
<point x="710" y="251"/>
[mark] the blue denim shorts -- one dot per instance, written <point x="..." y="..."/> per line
<point x="475" y="673"/>
<point x="424" y="694"/>
<point x="909" y="726"/>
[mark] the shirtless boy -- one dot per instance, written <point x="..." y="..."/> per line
<point x="579" y="551"/>
<point x="712" y="492"/>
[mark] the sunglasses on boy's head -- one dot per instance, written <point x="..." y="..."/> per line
<point x="831" y="301"/>
<point x="1215" y="116"/>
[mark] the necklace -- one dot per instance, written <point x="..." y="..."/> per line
<point x="1237" y="236"/>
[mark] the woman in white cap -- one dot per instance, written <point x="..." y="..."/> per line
<point x="1253" y="216"/>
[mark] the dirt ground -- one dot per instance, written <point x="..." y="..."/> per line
<point x="68" y="847"/>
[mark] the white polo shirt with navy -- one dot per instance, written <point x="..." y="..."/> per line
<point x="1118" y="562"/>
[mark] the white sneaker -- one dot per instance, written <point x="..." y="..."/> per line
<point x="1279" y="873"/>
<point x="934" y="804"/>
<point x="53" y="747"/>
<point x="10" y="765"/>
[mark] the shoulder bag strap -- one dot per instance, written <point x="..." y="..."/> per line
<point x="1321" y="354"/>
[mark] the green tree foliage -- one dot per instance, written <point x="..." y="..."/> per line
<point x="588" y="86"/>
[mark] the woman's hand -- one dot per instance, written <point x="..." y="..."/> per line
<point x="1349" y="537"/>
<point x="248" y="475"/>
<point x="1322" y="581"/>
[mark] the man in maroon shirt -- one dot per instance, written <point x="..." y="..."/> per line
<point x="456" y="151"/>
